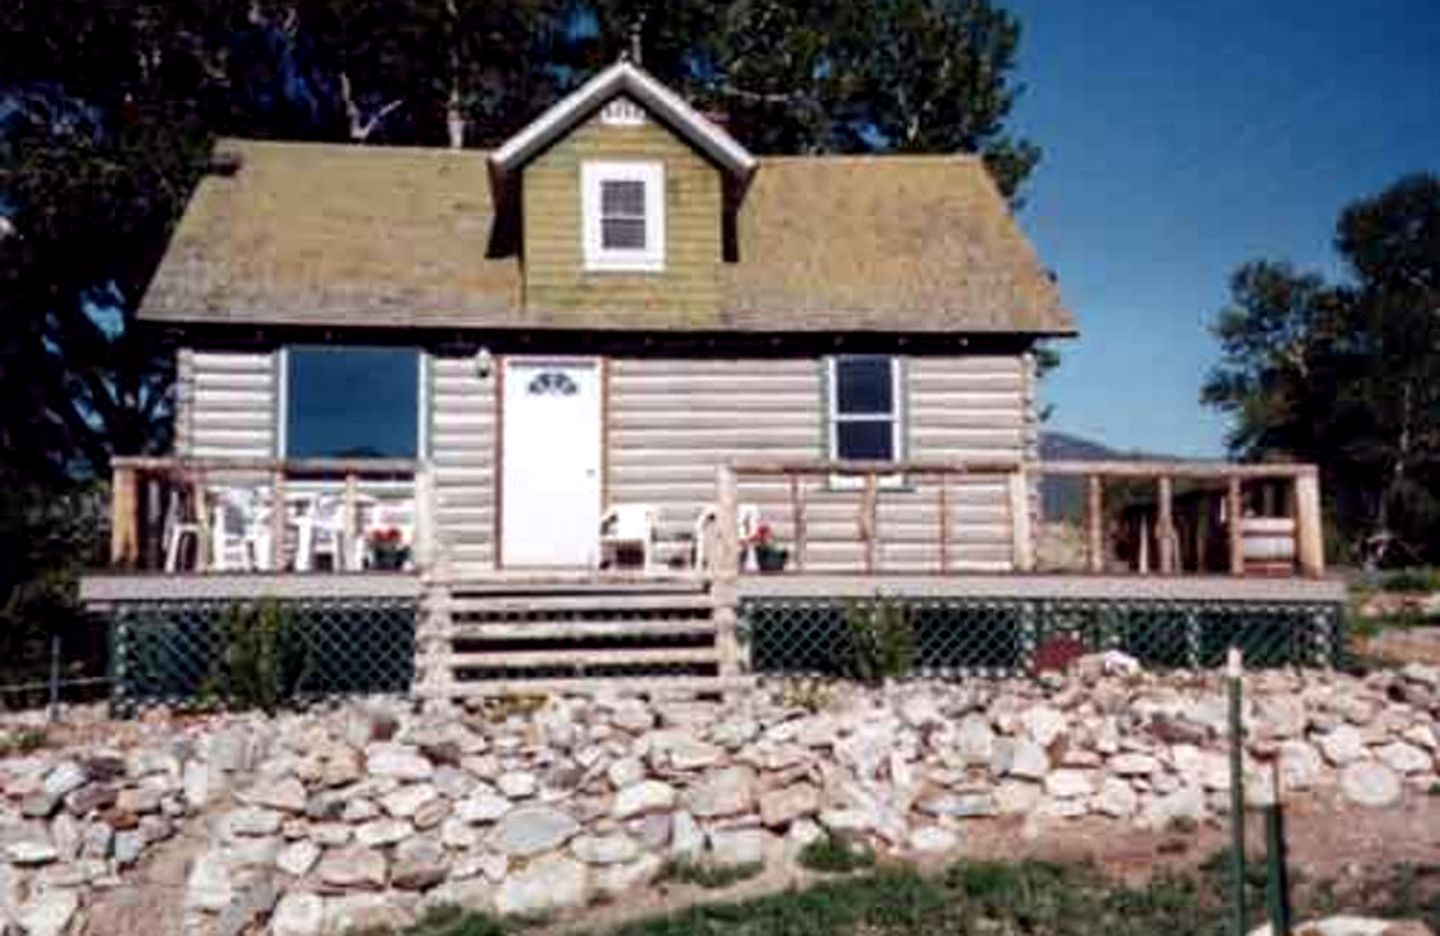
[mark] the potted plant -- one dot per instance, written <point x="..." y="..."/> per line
<point x="387" y="549"/>
<point x="769" y="557"/>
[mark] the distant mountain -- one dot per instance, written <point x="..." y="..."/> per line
<point x="1064" y="498"/>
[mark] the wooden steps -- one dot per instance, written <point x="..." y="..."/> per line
<point x="522" y="634"/>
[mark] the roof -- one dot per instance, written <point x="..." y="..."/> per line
<point x="623" y="78"/>
<point x="337" y="235"/>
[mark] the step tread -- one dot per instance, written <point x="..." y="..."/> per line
<point x="540" y="603"/>
<point x="628" y="685"/>
<point x="630" y="656"/>
<point x="565" y="630"/>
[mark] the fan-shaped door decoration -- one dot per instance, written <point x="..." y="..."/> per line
<point x="552" y="383"/>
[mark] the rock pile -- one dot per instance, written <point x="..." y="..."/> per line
<point x="366" y="814"/>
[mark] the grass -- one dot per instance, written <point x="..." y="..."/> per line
<point x="1418" y="580"/>
<point x="1008" y="899"/>
<point x="24" y="741"/>
<point x="712" y="877"/>
<point x="833" y="855"/>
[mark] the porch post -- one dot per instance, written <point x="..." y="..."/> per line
<point x="1165" y="525"/>
<point x="1023" y="543"/>
<point x="1235" y="524"/>
<point x="725" y="569"/>
<point x="1095" y="524"/>
<point x="1309" y="540"/>
<point x="124" y="516"/>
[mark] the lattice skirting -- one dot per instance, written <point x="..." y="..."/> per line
<point x="960" y="636"/>
<point x="168" y="652"/>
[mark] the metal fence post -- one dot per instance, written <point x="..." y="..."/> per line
<point x="54" y="709"/>
<point x="1233" y="671"/>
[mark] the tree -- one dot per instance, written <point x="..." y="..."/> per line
<point x="1348" y="374"/>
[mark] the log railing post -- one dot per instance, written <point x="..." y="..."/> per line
<point x="205" y="549"/>
<point x="427" y="545"/>
<point x="1095" y="524"/>
<point x="1023" y="540"/>
<point x="1165" y="525"/>
<point x="124" y="516"/>
<point x="943" y="509"/>
<point x="869" y="518"/>
<point x="1309" y="538"/>
<point x="797" y="518"/>
<point x="278" y="512"/>
<point x="725" y="569"/>
<point x="350" y="522"/>
<point x="1235" y="524"/>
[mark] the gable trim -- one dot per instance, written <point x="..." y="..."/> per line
<point x="623" y="78"/>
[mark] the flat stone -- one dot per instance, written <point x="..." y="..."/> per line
<point x="285" y="795"/>
<point x="687" y="841"/>
<point x="1342" y="746"/>
<point x="783" y="806"/>
<point x="298" y="914"/>
<point x="482" y="807"/>
<point x="1300" y="764"/>
<point x="49" y="913"/>
<point x="420" y="863"/>
<point x="1020" y="758"/>
<point x="975" y="740"/>
<point x="1404" y="758"/>
<point x="958" y="805"/>
<point x="252" y="820"/>
<point x="209" y="885"/>
<point x="1067" y="783"/>
<point x="517" y="784"/>
<point x="690" y="754"/>
<point x="127" y="847"/>
<point x="1117" y="798"/>
<point x="352" y="867"/>
<point x="407" y="800"/>
<point x="39" y="805"/>
<point x="64" y="778"/>
<point x="367" y="913"/>
<point x="725" y="792"/>
<point x="90" y="798"/>
<point x="331" y="834"/>
<point x="647" y="796"/>
<point x="381" y="832"/>
<point x="621" y="880"/>
<point x="1133" y="764"/>
<point x="399" y="761"/>
<point x="933" y="840"/>
<point x="1017" y="797"/>
<point x="735" y="848"/>
<point x="605" y="849"/>
<point x="1368" y="783"/>
<point x="253" y="853"/>
<point x="921" y="711"/>
<point x="298" y="858"/>
<point x="31" y="853"/>
<point x="488" y="865"/>
<point x="531" y="830"/>
<point x="1044" y="725"/>
<point x="547" y="884"/>
<point x="625" y="772"/>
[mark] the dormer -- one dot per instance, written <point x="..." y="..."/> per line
<point x="616" y="197"/>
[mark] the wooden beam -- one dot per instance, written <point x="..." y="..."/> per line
<point x="124" y="516"/>
<point x="1094" y="524"/>
<point x="1214" y="471"/>
<point x="1023" y="537"/>
<point x="1309" y="535"/>
<point x="1235" y="523"/>
<point x="725" y="569"/>
<point x="823" y="467"/>
<point x="943" y="509"/>
<point x="278" y="512"/>
<point x="1165" y="524"/>
<point x="350" y="520"/>
<point x="364" y="467"/>
<point x="205" y="549"/>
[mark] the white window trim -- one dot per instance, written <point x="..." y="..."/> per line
<point x="833" y="417"/>
<point x="599" y="259"/>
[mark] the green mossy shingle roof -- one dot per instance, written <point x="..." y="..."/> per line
<point x="335" y="235"/>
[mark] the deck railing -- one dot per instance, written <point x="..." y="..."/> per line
<point x="151" y="496"/>
<point x="927" y="536"/>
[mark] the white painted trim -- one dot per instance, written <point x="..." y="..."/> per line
<point x="833" y="417"/>
<point x="282" y="401"/>
<point x="623" y="78"/>
<point x="593" y="174"/>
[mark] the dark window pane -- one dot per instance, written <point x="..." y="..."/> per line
<point x="352" y="403"/>
<point x="865" y="440"/>
<point x="864" y="385"/>
<point x="622" y="197"/>
<point x="622" y="233"/>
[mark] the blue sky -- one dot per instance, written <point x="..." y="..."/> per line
<point x="1183" y="138"/>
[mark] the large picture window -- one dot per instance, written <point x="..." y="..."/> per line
<point x="348" y="402"/>
<point x="865" y="400"/>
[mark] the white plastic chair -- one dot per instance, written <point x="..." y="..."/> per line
<point x="240" y="531"/>
<point x="747" y="523"/>
<point x="320" y="530"/>
<point x="177" y="531"/>
<point x="629" y="526"/>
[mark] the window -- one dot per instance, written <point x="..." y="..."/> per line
<point x="865" y="409"/>
<point x="351" y="402"/>
<point x="624" y="216"/>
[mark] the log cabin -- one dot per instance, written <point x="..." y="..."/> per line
<point x="592" y="404"/>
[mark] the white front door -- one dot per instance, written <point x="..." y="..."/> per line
<point x="550" y="485"/>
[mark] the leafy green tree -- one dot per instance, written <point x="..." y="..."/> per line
<point x="1347" y="374"/>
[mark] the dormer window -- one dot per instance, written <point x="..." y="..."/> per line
<point x="623" y="207"/>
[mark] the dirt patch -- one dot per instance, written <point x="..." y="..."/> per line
<point x="152" y="898"/>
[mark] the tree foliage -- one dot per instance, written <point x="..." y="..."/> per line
<point x="1347" y="374"/>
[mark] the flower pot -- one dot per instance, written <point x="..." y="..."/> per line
<point x="771" y="558"/>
